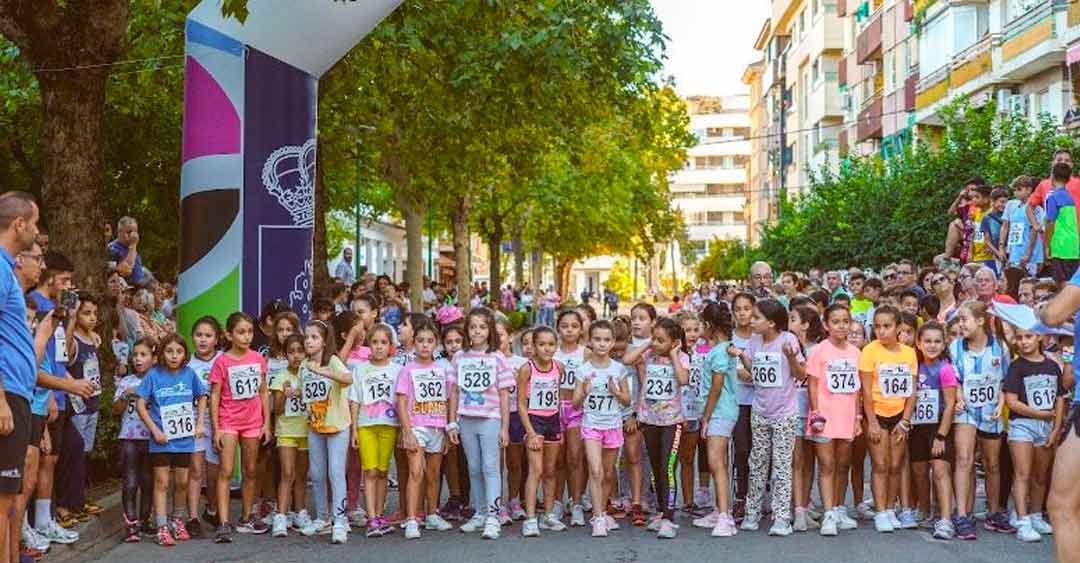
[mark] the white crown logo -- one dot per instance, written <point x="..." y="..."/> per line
<point x="300" y="296"/>
<point x="289" y="175"/>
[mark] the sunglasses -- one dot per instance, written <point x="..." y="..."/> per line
<point x="890" y="277"/>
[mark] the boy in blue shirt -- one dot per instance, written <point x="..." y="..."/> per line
<point x="991" y="225"/>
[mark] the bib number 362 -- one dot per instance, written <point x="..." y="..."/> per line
<point x="429" y="387"/>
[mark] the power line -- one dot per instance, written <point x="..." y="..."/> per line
<point x="805" y="130"/>
<point x="105" y="65"/>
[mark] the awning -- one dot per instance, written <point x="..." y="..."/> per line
<point x="1072" y="55"/>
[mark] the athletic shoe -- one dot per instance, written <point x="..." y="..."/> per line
<point x="586" y="502"/>
<point x="894" y="519"/>
<point x="301" y="520"/>
<point x="610" y="522"/>
<point x="655" y="522"/>
<point x="223" y="533"/>
<point x="398" y="517"/>
<point x="491" y="528"/>
<point x="194" y="528"/>
<point x="829" y="524"/>
<point x="943" y="529"/>
<point x="907" y="519"/>
<point x="180" y="530"/>
<point x="317" y="526"/>
<point x="517" y="512"/>
<point x="385" y="528"/>
<point x="692" y="510"/>
<point x="843" y="521"/>
<point x="725" y="526"/>
<point x="780" y="527"/>
<point x="927" y="523"/>
<point x="148" y="528"/>
<point x="703" y="497"/>
<point x="451" y="510"/>
<point x="252" y="525"/>
<point x="965" y="527"/>
<point x="1025" y="533"/>
<point x="211" y="518"/>
<point x="164" y="537"/>
<point x="373" y="530"/>
<point x="710" y="520"/>
<point x="637" y="515"/>
<point x="131" y="533"/>
<point x="436" y="523"/>
<point x="55" y="534"/>
<point x="1040" y="525"/>
<point x="340" y="532"/>
<point x="504" y="517"/>
<point x="883" y="523"/>
<point x="265" y="508"/>
<point x="865" y="510"/>
<point x="616" y="510"/>
<point x="281" y="526"/>
<point x="412" y="529"/>
<point x="29" y="555"/>
<point x="558" y="510"/>
<point x="32" y="539"/>
<point x="815" y="513"/>
<point x="668" y="530"/>
<point x="801" y="518"/>
<point x="999" y="522"/>
<point x="530" y="528"/>
<point x="358" y="518"/>
<point x="599" y="527"/>
<point x="550" y="522"/>
<point x="750" y="524"/>
<point x="738" y="510"/>
<point x="474" y="524"/>
<point x="577" y="515"/>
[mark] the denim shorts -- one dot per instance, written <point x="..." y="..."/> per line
<point x="985" y="427"/>
<point x="1030" y="430"/>
<point x="720" y="427"/>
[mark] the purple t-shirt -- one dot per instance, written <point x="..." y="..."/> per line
<point x="775" y="394"/>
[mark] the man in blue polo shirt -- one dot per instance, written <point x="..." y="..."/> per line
<point x="18" y="227"/>
<point x="124" y="251"/>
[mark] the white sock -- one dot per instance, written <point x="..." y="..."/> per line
<point x="42" y="512"/>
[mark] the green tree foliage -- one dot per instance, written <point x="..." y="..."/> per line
<point x="726" y="260"/>
<point x="621" y="280"/>
<point x="873" y="211"/>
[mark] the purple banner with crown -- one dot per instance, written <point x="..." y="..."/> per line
<point x="279" y="183"/>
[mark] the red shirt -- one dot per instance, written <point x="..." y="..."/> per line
<point x="1043" y="189"/>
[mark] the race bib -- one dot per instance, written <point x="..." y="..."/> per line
<point x="696" y="369"/>
<point x="894" y="380"/>
<point x="92" y="373"/>
<point x="981" y="390"/>
<point x="766" y="369"/>
<point x="429" y="387"/>
<point x="1041" y="391"/>
<point x="543" y="395"/>
<point x="244" y="381"/>
<point x="316" y="387"/>
<point x="842" y="377"/>
<point x="600" y="400"/>
<point x="926" y="407"/>
<point x="1016" y="234"/>
<point x="130" y="409"/>
<point x="60" y="341"/>
<point x="377" y="387"/>
<point x="568" y="377"/>
<point x="120" y="350"/>
<point x="476" y="375"/>
<point x="659" y="383"/>
<point x="294" y="406"/>
<point x="178" y="421"/>
<point x="980" y="237"/>
<point x="274" y="365"/>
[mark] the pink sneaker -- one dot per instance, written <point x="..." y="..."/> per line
<point x="725" y="527"/>
<point x="610" y="523"/>
<point x="708" y="521"/>
<point x="599" y="527"/>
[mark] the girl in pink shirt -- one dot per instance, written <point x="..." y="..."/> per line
<point x="240" y="412"/>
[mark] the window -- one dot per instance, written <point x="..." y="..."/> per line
<point x="1017" y="8"/>
<point x="815" y="71"/>
<point x="814" y="7"/>
<point x="933" y="45"/>
<point x="1043" y="105"/>
<point x="724" y="189"/>
<point x="890" y="71"/>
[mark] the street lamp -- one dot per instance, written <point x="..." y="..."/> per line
<point x="357" y="130"/>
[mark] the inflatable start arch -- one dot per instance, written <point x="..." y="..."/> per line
<point x="247" y="181"/>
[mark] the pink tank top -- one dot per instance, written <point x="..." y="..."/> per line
<point x="542" y="393"/>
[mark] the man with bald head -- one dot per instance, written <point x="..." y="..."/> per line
<point x="761" y="280"/>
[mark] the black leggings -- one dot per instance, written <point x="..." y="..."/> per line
<point x="742" y="436"/>
<point x="135" y="457"/>
<point x="659" y="441"/>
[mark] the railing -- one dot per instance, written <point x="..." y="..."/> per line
<point x="869" y="125"/>
<point x="932" y="78"/>
<point x="974" y="50"/>
<point x="1028" y="19"/>
<point x="869" y="41"/>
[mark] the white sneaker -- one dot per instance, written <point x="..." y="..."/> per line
<point x="800" y="520"/>
<point x="55" y="534"/>
<point x="530" y="528"/>
<point x="358" y="518"/>
<point x="491" y="528"/>
<point x="883" y="523"/>
<point x="280" y="525"/>
<point x="1025" y="533"/>
<point x="474" y="524"/>
<point x="301" y="520"/>
<point x="865" y="510"/>
<point x="843" y="521"/>
<point x="703" y="497"/>
<point x="577" y="515"/>
<point x="780" y="527"/>
<point x="707" y="521"/>
<point x="558" y="510"/>
<point x="436" y="523"/>
<point x="894" y="520"/>
<point x="31" y="538"/>
<point x="317" y="526"/>
<point x="750" y="524"/>
<point x="340" y="532"/>
<point x="599" y="527"/>
<point x="586" y="502"/>
<point x="550" y="522"/>
<point x="668" y="529"/>
<point x="611" y="523"/>
<point x="517" y="512"/>
<point x="655" y="522"/>
<point x="412" y="529"/>
<point x="829" y="524"/>
<point x="1040" y="525"/>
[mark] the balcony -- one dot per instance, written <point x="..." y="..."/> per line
<point x="841" y="8"/>
<point x="971" y="63"/>
<point x="869" y="125"/>
<point x="841" y="71"/>
<point x="909" y="91"/>
<point x="1032" y="42"/>
<point x="823" y="102"/>
<point x="868" y="44"/>
<point x="932" y="87"/>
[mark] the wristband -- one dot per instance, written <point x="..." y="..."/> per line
<point x="452" y="427"/>
<point x="904" y="425"/>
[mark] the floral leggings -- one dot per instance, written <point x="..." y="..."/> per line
<point x="777" y="435"/>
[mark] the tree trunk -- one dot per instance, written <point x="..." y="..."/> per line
<point x="459" y="217"/>
<point x="562" y="277"/>
<point x="410" y="204"/>
<point x="319" y="257"/>
<point x="519" y="260"/>
<point x="494" y="240"/>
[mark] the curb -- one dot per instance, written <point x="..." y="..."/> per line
<point x="97" y="536"/>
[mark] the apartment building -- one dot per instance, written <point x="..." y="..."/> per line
<point x="710" y="190"/>
<point x="761" y="204"/>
